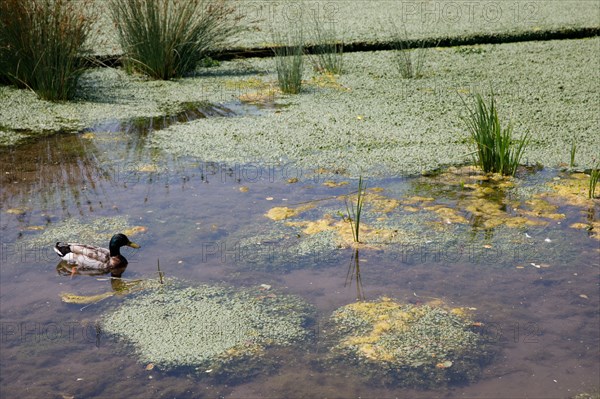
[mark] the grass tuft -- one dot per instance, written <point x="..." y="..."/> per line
<point x="328" y="56"/>
<point x="573" y="151"/>
<point x="42" y="44"/>
<point x="409" y="61"/>
<point x="166" y="39"/>
<point x="289" y="61"/>
<point x="497" y="152"/>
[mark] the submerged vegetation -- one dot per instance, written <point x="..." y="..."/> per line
<point x="42" y="45"/>
<point x="414" y="346"/>
<point x="165" y="39"/>
<point x="219" y="329"/>
<point x="497" y="151"/>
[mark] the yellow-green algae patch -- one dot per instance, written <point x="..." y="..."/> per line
<point x="208" y="327"/>
<point x="283" y="212"/>
<point x="421" y="346"/>
<point x="119" y="287"/>
<point x="430" y="211"/>
<point x="379" y="202"/>
<point x="340" y="226"/>
<point x="344" y="238"/>
<point x="573" y="190"/>
<point x="483" y="200"/>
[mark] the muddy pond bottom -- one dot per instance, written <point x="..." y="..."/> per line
<point x="249" y="248"/>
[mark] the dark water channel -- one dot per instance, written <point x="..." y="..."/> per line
<point x="541" y="300"/>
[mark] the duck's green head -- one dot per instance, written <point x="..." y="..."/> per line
<point x="120" y="240"/>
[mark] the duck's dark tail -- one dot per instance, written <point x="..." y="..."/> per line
<point x="62" y="249"/>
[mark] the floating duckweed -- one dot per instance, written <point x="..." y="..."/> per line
<point x="423" y="346"/>
<point x="10" y="138"/>
<point x="208" y="327"/>
<point x="95" y="232"/>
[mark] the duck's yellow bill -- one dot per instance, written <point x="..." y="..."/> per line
<point x="133" y="245"/>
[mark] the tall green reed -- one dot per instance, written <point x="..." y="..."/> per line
<point x="355" y="211"/>
<point x="42" y="45"/>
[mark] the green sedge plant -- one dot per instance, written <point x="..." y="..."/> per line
<point x="328" y="50"/>
<point x="497" y="151"/>
<point x="289" y="60"/>
<point x="409" y="60"/>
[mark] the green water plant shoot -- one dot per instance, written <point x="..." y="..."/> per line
<point x="355" y="211"/>
<point x="573" y="151"/>
<point x="594" y="177"/>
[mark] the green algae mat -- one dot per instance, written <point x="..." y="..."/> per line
<point x="213" y="330"/>
<point x="425" y="346"/>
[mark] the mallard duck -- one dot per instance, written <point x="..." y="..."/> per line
<point x="96" y="259"/>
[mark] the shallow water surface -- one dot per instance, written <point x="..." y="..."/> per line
<point x="535" y="288"/>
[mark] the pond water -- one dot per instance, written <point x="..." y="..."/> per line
<point x="535" y="287"/>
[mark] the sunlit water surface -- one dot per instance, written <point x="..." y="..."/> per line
<point x="545" y="318"/>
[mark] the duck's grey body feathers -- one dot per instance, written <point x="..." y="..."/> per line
<point x="84" y="256"/>
<point x="89" y="257"/>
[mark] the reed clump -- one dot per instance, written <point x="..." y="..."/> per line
<point x="497" y="151"/>
<point x="42" y="45"/>
<point x="166" y="39"/>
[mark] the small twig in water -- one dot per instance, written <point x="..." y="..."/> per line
<point x="160" y="273"/>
